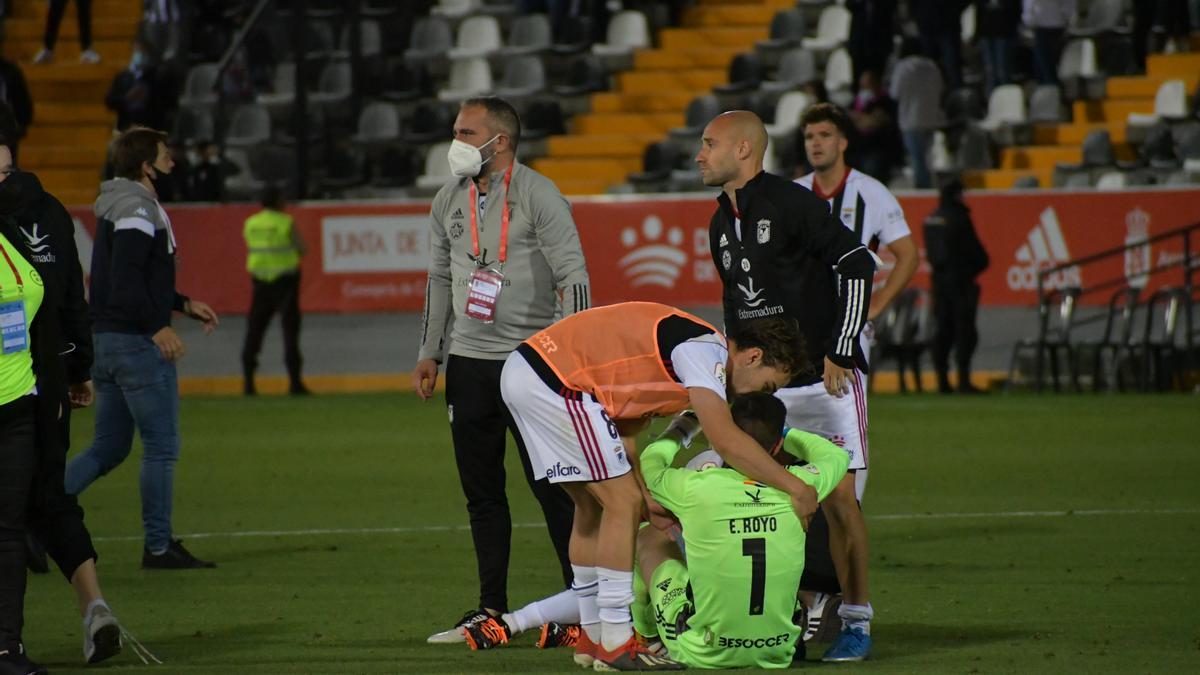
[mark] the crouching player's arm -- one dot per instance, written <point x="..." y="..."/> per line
<point x="827" y="463"/>
<point x="743" y="453"/>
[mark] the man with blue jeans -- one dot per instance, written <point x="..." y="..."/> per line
<point x="133" y="296"/>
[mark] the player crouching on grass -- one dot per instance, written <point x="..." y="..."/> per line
<point x="731" y="604"/>
<point x="570" y="385"/>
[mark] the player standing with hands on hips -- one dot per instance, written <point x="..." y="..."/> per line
<point x="505" y="262"/>
<point x="780" y="254"/>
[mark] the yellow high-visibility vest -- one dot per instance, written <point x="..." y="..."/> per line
<point x="272" y="251"/>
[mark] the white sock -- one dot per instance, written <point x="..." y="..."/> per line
<point x="87" y="614"/>
<point x="614" y="599"/>
<point x="561" y="608"/>
<point x="586" y="587"/>
<point x="857" y="616"/>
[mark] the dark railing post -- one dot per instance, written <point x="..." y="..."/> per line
<point x="353" y="16"/>
<point x="1188" y="289"/>
<point x="1043" y="325"/>
<point x="300" y="107"/>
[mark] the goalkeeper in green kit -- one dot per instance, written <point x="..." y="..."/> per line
<point x="731" y="604"/>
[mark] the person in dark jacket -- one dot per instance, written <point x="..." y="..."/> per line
<point x="14" y="95"/>
<point x="135" y="94"/>
<point x="55" y="518"/>
<point x="996" y="26"/>
<point x="939" y="23"/>
<point x="957" y="258"/>
<point x="133" y="297"/>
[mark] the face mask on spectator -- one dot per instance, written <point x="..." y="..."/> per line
<point x="864" y="96"/>
<point x="137" y="61"/>
<point x="193" y="157"/>
<point x="467" y="160"/>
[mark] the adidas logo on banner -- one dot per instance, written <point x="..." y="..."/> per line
<point x="457" y="215"/>
<point x="1044" y="247"/>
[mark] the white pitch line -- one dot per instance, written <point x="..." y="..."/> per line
<point x="463" y="528"/>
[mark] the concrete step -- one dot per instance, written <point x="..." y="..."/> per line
<point x="1110" y="110"/>
<point x="663" y="101"/>
<point x="67" y="92"/>
<point x="37" y="9"/>
<point x="657" y="81"/>
<point x="585" y="186"/>
<point x="1074" y="134"/>
<point x="35" y="157"/>
<point x="719" y="16"/>
<point x="104" y="27"/>
<point x="1145" y="87"/>
<point x="683" y="38"/>
<point x="57" y="113"/>
<point x="93" y="136"/>
<point x="610" y="170"/>
<point x="601" y="146"/>
<point x="627" y="123"/>
<point x="73" y="71"/>
<point x="1046" y="156"/>
<point x="692" y="57"/>
<point x="115" y="51"/>
<point x="1173" y="65"/>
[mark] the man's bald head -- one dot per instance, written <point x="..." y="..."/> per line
<point x="732" y="148"/>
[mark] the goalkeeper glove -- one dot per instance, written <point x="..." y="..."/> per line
<point x="686" y="426"/>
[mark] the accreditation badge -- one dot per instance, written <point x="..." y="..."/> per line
<point x="483" y="293"/>
<point x="13" y="327"/>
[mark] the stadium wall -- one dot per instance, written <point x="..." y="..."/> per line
<point x="371" y="256"/>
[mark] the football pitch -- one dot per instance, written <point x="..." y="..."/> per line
<point x="1022" y="534"/>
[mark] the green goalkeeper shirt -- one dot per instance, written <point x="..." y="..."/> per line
<point x="745" y="551"/>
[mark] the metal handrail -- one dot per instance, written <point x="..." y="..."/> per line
<point x="239" y="38"/>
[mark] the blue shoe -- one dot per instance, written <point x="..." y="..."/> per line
<point x="851" y="645"/>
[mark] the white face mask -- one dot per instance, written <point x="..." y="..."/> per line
<point x="467" y="160"/>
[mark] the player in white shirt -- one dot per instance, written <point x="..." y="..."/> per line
<point x="866" y="208"/>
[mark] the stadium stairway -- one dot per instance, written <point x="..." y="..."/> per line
<point x="67" y="142"/>
<point x="1055" y="143"/>
<point x="606" y="144"/>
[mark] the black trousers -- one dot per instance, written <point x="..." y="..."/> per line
<point x="478" y="420"/>
<point x="18" y="457"/>
<point x="281" y="295"/>
<point x="955" y="306"/>
<point x="83" y="8"/>
<point x="54" y="516"/>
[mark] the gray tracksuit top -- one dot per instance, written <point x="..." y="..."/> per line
<point x="544" y="265"/>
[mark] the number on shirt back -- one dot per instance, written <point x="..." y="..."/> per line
<point x="756" y="549"/>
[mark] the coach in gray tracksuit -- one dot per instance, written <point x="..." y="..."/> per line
<point x="539" y="270"/>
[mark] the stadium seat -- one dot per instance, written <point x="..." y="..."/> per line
<point x="477" y="36"/>
<point x="240" y="183"/>
<point x="839" y="77"/>
<point x="901" y="333"/>
<point x="523" y="77"/>
<point x="283" y="90"/>
<point x="1187" y="139"/>
<point x="406" y="82"/>
<point x="379" y="9"/>
<point x="787" y="114"/>
<point x="574" y="36"/>
<point x="198" y="86"/>
<point x="787" y="30"/>
<point x="370" y="40"/>
<point x="1170" y="103"/>
<point x="1097" y="154"/>
<point x="193" y="125"/>
<point x="437" y="168"/>
<point x="1158" y="149"/>
<point x="796" y="68"/>
<point x="503" y="8"/>
<point x="1100" y="16"/>
<point x="320" y="39"/>
<point x="429" y="39"/>
<point x="940" y="159"/>
<point x="1045" y="106"/>
<point x="468" y="77"/>
<point x="430" y="123"/>
<point x="585" y="74"/>
<point x="745" y="74"/>
<point x="700" y="111"/>
<point x="974" y="150"/>
<point x="627" y="31"/>
<point x="1078" y="71"/>
<point x="1111" y="180"/>
<point x="542" y="118"/>
<point x="335" y="85"/>
<point x="456" y="9"/>
<point x="343" y="168"/>
<point x="530" y="34"/>
<point x="967" y="22"/>
<point x="250" y="125"/>
<point x="1026" y="183"/>
<point x="833" y="30"/>
<point x="963" y="105"/>
<point x="394" y="167"/>
<point x="378" y="123"/>
<point x="1160" y="346"/>
<point x="658" y="160"/>
<point x="1006" y="118"/>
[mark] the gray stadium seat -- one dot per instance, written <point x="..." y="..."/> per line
<point x="477" y="36"/>
<point x="833" y="30"/>
<point x="530" y="34"/>
<point x="193" y="125"/>
<point x="524" y="76"/>
<point x="378" y="123"/>
<point x="251" y="125"/>
<point x="787" y="30"/>
<point x="429" y="39"/>
<point x="437" y="168"/>
<point x="283" y="93"/>
<point x="974" y="150"/>
<point x="370" y="39"/>
<point x="335" y="86"/>
<point x="198" y="86"/>
<point x="700" y="111"/>
<point x="1101" y="16"/>
<point x="468" y="77"/>
<point x="796" y="68"/>
<point x="1045" y="106"/>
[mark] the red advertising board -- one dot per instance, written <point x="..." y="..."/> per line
<point x="372" y="256"/>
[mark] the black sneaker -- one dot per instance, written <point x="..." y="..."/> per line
<point x="456" y="634"/>
<point x="176" y="557"/>
<point x="14" y="661"/>
<point x="35" y="555"/>
<point x="298" y="389"/>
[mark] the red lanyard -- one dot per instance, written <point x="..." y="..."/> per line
<point x="11" y="266"/>
<point x="503" y="219"/>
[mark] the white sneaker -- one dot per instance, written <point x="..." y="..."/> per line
<point x="101" y="635"/>
<point x="43" y="56"/>
<point x="89" y="57"/>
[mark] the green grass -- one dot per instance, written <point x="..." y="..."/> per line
<point x="1112" y="592"/>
